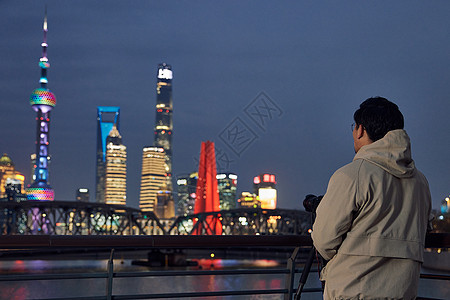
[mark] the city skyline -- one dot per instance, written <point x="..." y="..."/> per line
<point x="311" y="64"/>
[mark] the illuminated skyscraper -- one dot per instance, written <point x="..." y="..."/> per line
<point x="153" y="179"/>
<point x="265" y="188"/>
<point x="227" y="183"/>
<point x="42" y="101"/>
<point x="107" y="117"/>
<point x="445" y="205"/>
<point x="163" y="120"/>
<point x="249" y="200"/>
<point x="165" y="208"/>
<point x="187" y="189"/>
<point x="156" y="182"/>
<point x="33" y="166"/>
<point x="11" y="181"/>
<point x="115" y="169"/>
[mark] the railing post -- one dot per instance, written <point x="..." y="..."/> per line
<point x="109" y="279"/>
<point x="289" y="282"/>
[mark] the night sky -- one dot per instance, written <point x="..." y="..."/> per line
<point x="305" y="65"/>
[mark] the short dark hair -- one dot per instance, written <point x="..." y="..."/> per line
<point x="378" y="115"/>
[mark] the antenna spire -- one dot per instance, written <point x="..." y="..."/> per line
<point x="45" y="19"/>
<point x="43" y="62"/>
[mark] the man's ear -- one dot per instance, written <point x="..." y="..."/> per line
<point x="363" y="135"/>
<point x="360" y="132"/>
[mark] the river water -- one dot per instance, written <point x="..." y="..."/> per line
<point x="46" y="289"/>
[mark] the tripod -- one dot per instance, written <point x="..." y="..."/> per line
<point x="305" y="273"/>
<point x="310" y="203"/>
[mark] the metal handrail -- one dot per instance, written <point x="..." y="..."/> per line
<point x="110" y="274"/>
<point x="151" y="241"/>
<point x="14" y="243"/>
<point x="433" y="240"/>
<point x="435" y="276"/>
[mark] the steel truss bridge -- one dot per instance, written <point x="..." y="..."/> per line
<point x="84" y="218"/>
<point x="245" y="221"/>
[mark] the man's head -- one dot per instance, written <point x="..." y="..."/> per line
<point x="374" y="118"/>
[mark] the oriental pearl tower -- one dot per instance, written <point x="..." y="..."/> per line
<point x="42" y="101"/>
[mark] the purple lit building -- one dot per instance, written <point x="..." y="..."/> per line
<point x="42" y="101"/>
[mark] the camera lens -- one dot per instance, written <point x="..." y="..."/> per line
<point x="311" y="202"/>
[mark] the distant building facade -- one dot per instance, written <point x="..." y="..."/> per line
<point x="165" y="207"/>
<point x="115" y="169"/>
<point x="445" y="205"/>
<point x="11" y="181"/>
<point x="249" y="200"/>
<point x="107" y="117"/>
<point x="187" y="189"/>
<point x="153" y="179"/>
<point x="264" y="186"/>
<point x="82" y="195"/>
<point x="227" y="185"/>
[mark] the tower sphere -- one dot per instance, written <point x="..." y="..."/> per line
<point x="40" y="191"/>
<point x="43" y="97"/>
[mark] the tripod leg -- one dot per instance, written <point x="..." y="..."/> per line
<point x="305" y="273"/>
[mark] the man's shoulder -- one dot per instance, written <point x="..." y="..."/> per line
<point x="350" y="169"/>
<point x="347" y="174"/>
<point x="420" y="175"/>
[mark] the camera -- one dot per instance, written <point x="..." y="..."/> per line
<point x="311" y="202"/>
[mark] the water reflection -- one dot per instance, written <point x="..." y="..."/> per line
<point x="44" y="289"/>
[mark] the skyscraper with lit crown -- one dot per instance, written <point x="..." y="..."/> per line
<point x="107" y="117"/>
<point x="42" y="101"/>
<point x="163" y="120"/>
<point x="156" y="181"/>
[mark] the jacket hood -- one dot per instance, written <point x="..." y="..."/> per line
<point x="391" y="153"/>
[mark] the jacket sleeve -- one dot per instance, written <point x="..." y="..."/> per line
<point x="335" y="212"/>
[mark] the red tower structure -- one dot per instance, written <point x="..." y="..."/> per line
<point x="207" y="192"/>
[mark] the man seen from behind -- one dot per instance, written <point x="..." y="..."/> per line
<point x="372" y="221"/>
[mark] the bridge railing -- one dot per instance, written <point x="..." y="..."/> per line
<point x="86" y="218"/>
<point x="244" y="221"/>
<point x="76" y="218"/>
<point x="116" y="243"/>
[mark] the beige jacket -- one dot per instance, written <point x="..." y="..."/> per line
<point x="375" y="212"/>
